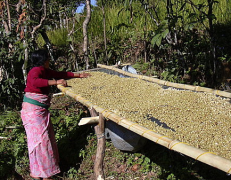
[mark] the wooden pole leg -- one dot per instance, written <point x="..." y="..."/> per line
<point x="100" y="133"/>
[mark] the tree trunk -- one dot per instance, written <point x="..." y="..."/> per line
<point x="85" y="37"/>
<point x="104" y="33"/>
<point x="145" y="31"/>
<point x="72" y="46"/>
<point x="211" y="34"/>
<point x="48" y="44"/>
<point x="22" y="18"/>
<point x="24" y="67"/>
<point x="95" y="57"/>
<point x="60" y="18"/>
<point x="2" y="15"/>
<point x="8" y="13"/>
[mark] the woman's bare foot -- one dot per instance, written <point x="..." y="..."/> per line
<point x="32" y="177"/>
<point x="35" y="178"/>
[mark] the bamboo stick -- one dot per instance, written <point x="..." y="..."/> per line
<point x="3" y="137"/>
<point x="14" y="127"/>
<point x="89" y="120"/>
<point x="181" y="147"/>
<point x="170" y="84"/>
<point x="58" y="94"/>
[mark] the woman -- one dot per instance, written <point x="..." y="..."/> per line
<point x="42" y="147"/>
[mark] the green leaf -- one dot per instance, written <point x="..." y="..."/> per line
<point x="156" y="40"/>
<point x="182" y="7"/>
<point x="212" y="16"/>
<point x="69" y="39"/>
<point x="77" y="17"/>
<point x="51" y="10"/>
<point x="19" y="57"/>
<point x="165" y="33"/>
<point x="192" y="15"/>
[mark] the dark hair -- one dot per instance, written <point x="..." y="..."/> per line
<point x="39" y="57"/>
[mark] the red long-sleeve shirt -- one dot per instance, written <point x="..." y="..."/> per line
<point x="37" y="79"/>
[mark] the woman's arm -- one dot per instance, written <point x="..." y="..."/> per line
<point x="64" y="82"/>
<point x="57" y="82"/>
<point x="81" y="75"/>
<point x="66" y="75"/>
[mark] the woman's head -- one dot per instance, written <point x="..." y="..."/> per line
<point x="39" y="57"/>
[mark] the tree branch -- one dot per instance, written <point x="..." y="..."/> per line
<point x="42" y="19"/>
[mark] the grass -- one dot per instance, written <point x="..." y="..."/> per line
<point x="152" y="162"/>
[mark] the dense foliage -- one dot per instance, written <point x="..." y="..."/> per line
<point x="22" y="22"/>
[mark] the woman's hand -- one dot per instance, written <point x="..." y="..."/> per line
<point x="82" y="75"/>
<point x="62" y="82"/>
